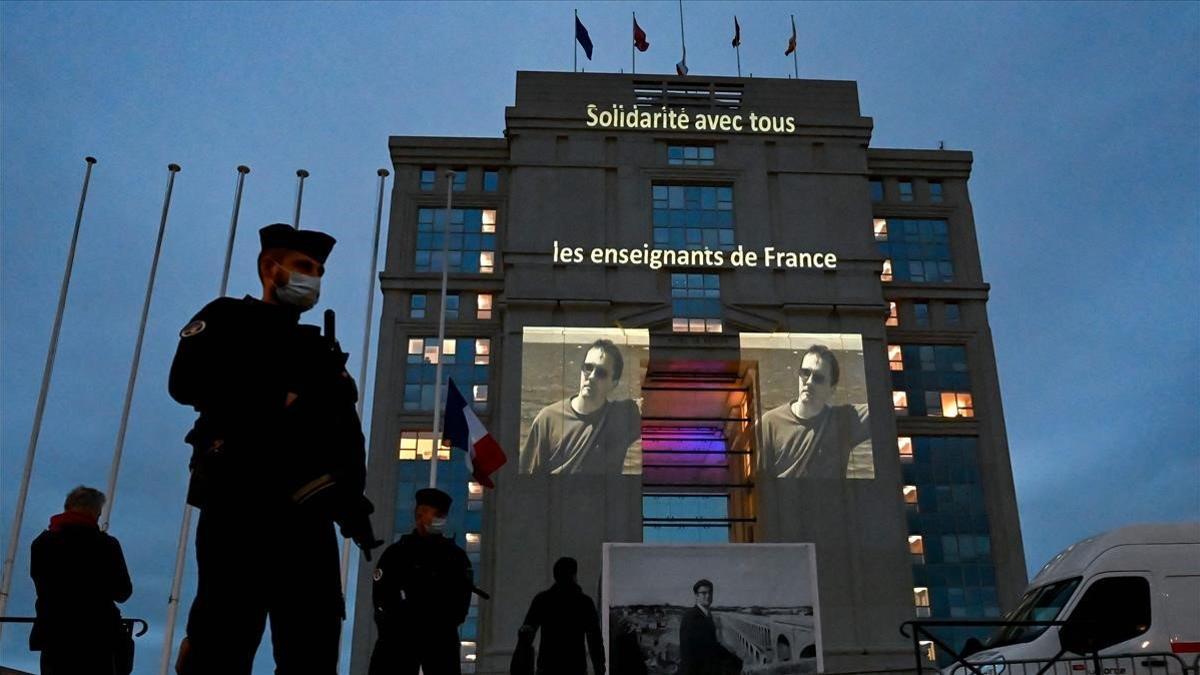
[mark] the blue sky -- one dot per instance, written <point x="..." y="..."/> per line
<point x="1084" y="119"/>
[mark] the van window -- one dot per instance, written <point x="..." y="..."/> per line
<point x="1039" y="604"/>
<point x="1117" y="607"/>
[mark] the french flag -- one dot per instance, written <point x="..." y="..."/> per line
<point x="464" y="430"/>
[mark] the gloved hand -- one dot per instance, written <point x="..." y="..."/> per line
<point x="356" y="526"/>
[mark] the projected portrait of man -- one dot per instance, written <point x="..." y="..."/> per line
<point x="586" y="433"/>
<point x="808" y="437"/>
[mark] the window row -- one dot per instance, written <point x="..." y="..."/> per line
<point x="464" y="360"/>
<point x="489" y="181"/>
<point x="418" y="306"/>
<point x="469" y="241"/>
<point x="906" y="191"/>
<point x="935" y="404"/>
<point x="693" y="216"/>
<point x="696" y="303"/>
<point x="691" y="155"/>
<point x="924" y="314"/>
<point x="914" y="250"/>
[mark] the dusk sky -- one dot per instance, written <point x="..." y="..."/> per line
<point x="1084" y="120"/>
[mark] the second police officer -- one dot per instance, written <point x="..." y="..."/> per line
<point x="278" y="458"/>
<point x="422" y="593"/>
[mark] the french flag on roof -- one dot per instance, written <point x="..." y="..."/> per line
<point x="464" y="431"/>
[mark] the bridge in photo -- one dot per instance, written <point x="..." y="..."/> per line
<point x="762" y="639"/>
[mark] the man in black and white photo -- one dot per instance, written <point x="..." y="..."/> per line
<point x="808" y="437"/>
<point x="587" y="433"/>
<point x="700" y="651"/>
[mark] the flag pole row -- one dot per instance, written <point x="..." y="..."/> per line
<point x="583" y="40"/>
<point x="9" y="564"/>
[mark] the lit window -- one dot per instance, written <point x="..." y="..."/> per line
<point x="953" y="315"/>
<point x="428" y="177"/>
<point x="416" y="445"/>
<point x="416" y="306"/>
<point x="876" y="188"/>
<point x="452" y="305"/>
<point x="905" y="444"/>
<point x="468" y="649"/>
<point x="491" y="180"/>
<point x="916" y="548"/>
<point x="886" y="274"/>
<point x="431" y="354"/>
<point x="893" y="318"/>
<point x="487" y="221"/>
<point x="415" y="346"/>
<point x="935" y="192"/>
<point x="930" y="652"/>
<point x="483" y="351"/>
<point x="487" y="262"/>
<point x="900" y="402"/>
<point x="483" y="306"/>
<point x="895" y="357"/>
<point x="460" y="179"/>
<point x="921" y="600"/>
<point x="906" y="190"/>
<point x="472" y="541"/>
<point x="480" y="393"/>
<point x="449" y="347"/>
<point x="690" y="155"/>
<point x="910" y="494"/>
<point x="921" y="314"/>
<point x="474" y="496"/>
<point x="957" y="404"/>
<point x="881" y="229"/>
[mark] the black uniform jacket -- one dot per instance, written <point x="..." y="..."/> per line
<point x="237" y="362"/>
<point x="421" y="583"/>
<point x="79" y="573"/>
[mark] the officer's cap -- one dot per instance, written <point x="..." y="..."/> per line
<point x="309" y="242"/>
<point x="435" y="498"/>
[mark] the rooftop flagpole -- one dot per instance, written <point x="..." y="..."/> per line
<point x="575" y="44"/>
<point x="14" y="533"/>
<point x="633" y="49"/>
<point x="185" y="528"/>
<point x="119" y="449"/>
<point x="441" y="343"/>
<point x="795" y="55"/>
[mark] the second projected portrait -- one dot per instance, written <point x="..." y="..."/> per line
<point x="581" y="400"/>
<point x="813" y="420"/>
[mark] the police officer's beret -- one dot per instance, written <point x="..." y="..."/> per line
<point x="435" y="498"/>
<point x="309" y="242"/>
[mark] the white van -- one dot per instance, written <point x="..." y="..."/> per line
<point x="1132" y="591"/>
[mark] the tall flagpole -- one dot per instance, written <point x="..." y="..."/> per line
<point x="301" y="174"/>
<point x="14" y="533"/>
<point x="437" y="384"/>
<point x="633" y="49"/>
<point x="366" y="346"/>
<point x="185" y="528"/>
<point x="575" y="46"/>
<point x="796" y="51"/>
<point x="119" y="449"/>
<point x="737" y="47"/>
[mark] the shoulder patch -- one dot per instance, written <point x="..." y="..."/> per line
<point x="378" y="574"/>
<point x="194" y="328"/>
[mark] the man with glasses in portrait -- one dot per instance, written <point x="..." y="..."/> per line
<point x="587" y="433"/>
<point x="807" y="437"/>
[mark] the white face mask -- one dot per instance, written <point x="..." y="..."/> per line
<point x="301" y="291"/>
<point x="436" y="526"/>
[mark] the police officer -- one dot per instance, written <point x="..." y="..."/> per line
<point x="278" y="457"/>
<point x="422" y="592"/>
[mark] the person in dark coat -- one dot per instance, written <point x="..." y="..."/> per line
<point x="700" y="651"/>
<point x="278" y="457"/>
<point x="568" y="620"/>
<point x="79" y="573"/>
<point x="421" y="590"/>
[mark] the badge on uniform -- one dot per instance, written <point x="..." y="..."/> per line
<point x="378" y="574"/>
<point x="194" y="328"/>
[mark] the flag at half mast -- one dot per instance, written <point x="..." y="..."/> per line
<point x="464" y="431"/>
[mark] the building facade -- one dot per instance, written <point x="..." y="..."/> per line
<point x="924" y="524"/>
